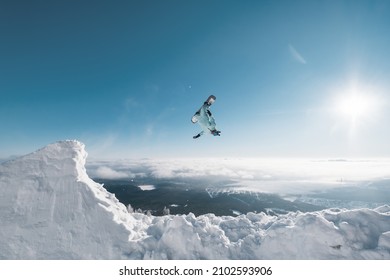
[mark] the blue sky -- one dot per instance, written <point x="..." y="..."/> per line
<point x="292" y="78"/>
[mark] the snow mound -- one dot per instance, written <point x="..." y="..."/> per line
<point x="51" y="209"/>
<point x="328" y="234"/>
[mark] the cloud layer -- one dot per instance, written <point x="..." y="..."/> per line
<point x="262" y="175"/>
<point x="108" y="173"/>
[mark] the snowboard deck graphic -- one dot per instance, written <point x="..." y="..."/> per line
<point x="210" y="100"/>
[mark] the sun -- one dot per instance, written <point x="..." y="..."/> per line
<point x="356" y="105"/>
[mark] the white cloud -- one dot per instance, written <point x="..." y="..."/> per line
<point x="108" y="173"/>
<point x="284" y="176"/>
<point x="296" y="55"/>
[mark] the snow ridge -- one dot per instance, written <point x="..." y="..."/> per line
<point x="51" y="209"/>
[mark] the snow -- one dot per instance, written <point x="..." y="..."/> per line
<point x="51" y="209"/>
<point x="147" y="187"/>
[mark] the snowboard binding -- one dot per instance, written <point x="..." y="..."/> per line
<point x="216" y="132"/>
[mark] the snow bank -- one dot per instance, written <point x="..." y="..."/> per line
<point x="329" y="234"/>
<point x="51" y="209"/>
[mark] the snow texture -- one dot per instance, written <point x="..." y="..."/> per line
<point x="51" y="209"/>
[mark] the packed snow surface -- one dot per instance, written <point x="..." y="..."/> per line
<point x="51" y="209"/>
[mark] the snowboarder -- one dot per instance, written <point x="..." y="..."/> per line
<point x="206" y="119"/>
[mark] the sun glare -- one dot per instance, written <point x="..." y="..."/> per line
<point x="356" y="105"/>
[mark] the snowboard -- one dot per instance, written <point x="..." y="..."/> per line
<point x="210" y="100"/>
